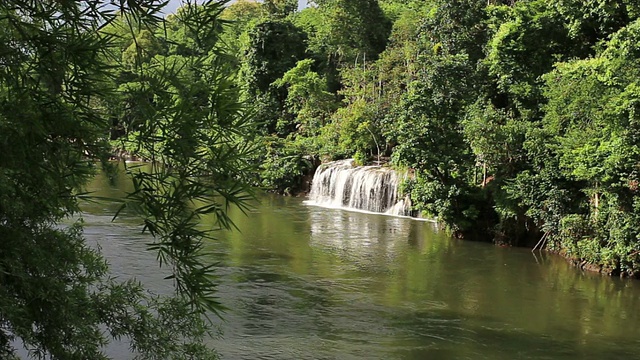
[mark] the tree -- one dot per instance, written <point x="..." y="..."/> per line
<point x="443" y="82"/>
<point x="274" y="47"/>
<point x="529" y="39"/>
<point x="241" y="15"/>
<point x="587" y="149"/>
<point x="430" y="140"/>
<point x="351" y="29"/>
<point x="57" y="296"/>
<point x="281" y="8"/>
<point x="343" y="33"/>
<point x="307" y="98"/>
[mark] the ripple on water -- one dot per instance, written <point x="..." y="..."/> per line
<point x="303" y="282"/>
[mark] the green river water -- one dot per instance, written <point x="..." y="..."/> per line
<point x="304" y="282"/>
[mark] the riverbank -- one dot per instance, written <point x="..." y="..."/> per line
<point x="374" y="188"/>
<point x="382" y="189"/>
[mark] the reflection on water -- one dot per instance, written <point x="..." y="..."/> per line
<point x="303" y="282"/>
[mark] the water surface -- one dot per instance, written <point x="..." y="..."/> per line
<point x="304" y="282"/>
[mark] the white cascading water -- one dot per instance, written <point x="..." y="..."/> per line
<point x="369" y="188"/>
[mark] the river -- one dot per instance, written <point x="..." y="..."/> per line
<point x="304" y="282"/>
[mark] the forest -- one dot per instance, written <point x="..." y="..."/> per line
<point x="516" y="119"/>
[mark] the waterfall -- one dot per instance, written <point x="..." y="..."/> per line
<point x="369" y="188"/>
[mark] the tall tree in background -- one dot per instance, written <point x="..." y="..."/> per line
<point x="281" y="8"/>
<point x="351" y="29"/>
<point x="240" y="15"/>
<point x="274" y="47"/>
<point x="346" y="32"/>
<point x="429" y="130"/>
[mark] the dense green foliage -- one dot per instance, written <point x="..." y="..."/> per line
<point x="72" y="76"/>
<point x="516" y="117"/>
